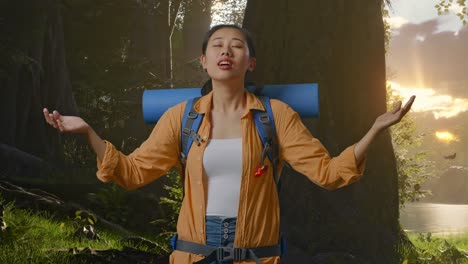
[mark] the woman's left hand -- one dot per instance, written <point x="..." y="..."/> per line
<point x="393" y="116"/>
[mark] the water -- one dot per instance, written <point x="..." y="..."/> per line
<point x="435" y="218"/>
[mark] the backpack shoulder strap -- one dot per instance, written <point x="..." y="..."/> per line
<point x="265" y="124"/>
<point x="190" y="124"/>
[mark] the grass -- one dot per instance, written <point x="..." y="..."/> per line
<point x="438" y="249"/>
<point x="33" y="237"/>
<point x="458" y="240"/>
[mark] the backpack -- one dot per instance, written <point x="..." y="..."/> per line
<point x="264" y="122"/>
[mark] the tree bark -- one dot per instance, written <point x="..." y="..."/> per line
<point x="197" y="21"/>
<point x="39" y="79"/>
<point x="340" y="45"/>
<point x="150" y="33"/>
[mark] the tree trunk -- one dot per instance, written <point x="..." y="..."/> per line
<point x="340" y="45"/>
<point x="197" y="21"/>
<point x="38" y="79"/>
<point x="150" y="33"/>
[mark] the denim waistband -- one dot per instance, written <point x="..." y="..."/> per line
<point x="220" y="231"/>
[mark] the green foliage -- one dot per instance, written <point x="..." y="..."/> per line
<point x="85" y="218"/>
<point x="405" y="247"/>
<point x="37" y="237"/>
<point x="76" y="153"/>
<point x="84" y="223"/>
<point x="112" y="203"/>
<point x="412" y="166"/>
<point x="443" y="7"/>
<point x="387" y="28"/>
<point x="435" y="250"/>
<point x="173" y="204"/>
<point x="110" y="62"/>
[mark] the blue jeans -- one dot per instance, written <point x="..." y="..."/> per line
<point x="220" y="232"/>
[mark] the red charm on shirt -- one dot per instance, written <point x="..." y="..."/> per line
<point x="260" y="171"/>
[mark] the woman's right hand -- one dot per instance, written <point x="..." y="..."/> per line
<point x="72" y="124"/>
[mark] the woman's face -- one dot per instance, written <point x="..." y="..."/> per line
<point x="227" y="55"/>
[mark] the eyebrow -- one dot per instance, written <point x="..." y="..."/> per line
<point x="232" y="38"/>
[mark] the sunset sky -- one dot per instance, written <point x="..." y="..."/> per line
<point x="427" y="57"/>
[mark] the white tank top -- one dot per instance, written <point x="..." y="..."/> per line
<point x="222" y="162"/>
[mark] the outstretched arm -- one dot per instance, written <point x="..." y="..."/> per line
<point x="151" y="160"/>
<point x="75" y="124"/>
<point x="381" y="123"/>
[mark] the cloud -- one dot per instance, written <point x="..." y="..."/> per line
<point x="428" y="100"/>
<point x="421" y="56"/>
<point x="397" y="22"/>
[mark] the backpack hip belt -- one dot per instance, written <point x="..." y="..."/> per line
<point x="226" y="253"/>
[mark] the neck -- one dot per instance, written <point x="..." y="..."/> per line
<point x="228" y="97"/>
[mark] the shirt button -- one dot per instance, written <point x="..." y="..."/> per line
<point x="226" y="224"/>
<point x="226" y="236"/>
<point x="226" y="230"/>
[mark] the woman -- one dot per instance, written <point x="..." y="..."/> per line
<point x="225" y="205"/>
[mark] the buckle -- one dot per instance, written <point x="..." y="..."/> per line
<point x="190" y="133"/>
<point x="186" y="131"/>
<point x="221" y="254"/>
<point x="197" y="138"/>
<point x="265" y="119"/>
<point x="192" y="114"/>
<point x="227" y="253"/>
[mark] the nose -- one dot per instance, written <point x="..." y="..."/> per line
<point x="226" y="52"/>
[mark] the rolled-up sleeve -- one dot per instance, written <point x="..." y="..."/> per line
<point x="157" y="155"/>
<point x="308" y="156"/>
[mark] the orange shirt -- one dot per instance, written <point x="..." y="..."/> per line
<point x="258" y="213"/>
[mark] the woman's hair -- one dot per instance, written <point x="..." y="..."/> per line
<point x="207" y="87"/>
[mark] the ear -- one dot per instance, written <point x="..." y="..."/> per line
<point x="203" y="62"/>
<point x="252" y="64"/>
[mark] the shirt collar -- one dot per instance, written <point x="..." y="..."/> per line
<point x="204" y="104"/>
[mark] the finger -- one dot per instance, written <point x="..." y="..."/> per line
<point x="396" y="108"/>
<point x="46" y="116"/>
<point x="408" y="104"/>
<point x="407" y="107"/>
<point x="53" y="122"/>
<point x="57" y="115"/>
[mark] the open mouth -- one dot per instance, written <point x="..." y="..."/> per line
<point x="225" y="64"/>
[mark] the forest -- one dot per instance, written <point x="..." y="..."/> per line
<point x="94" y="59"/>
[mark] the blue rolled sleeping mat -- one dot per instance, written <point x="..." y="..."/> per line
<point x="303" y="98"/>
